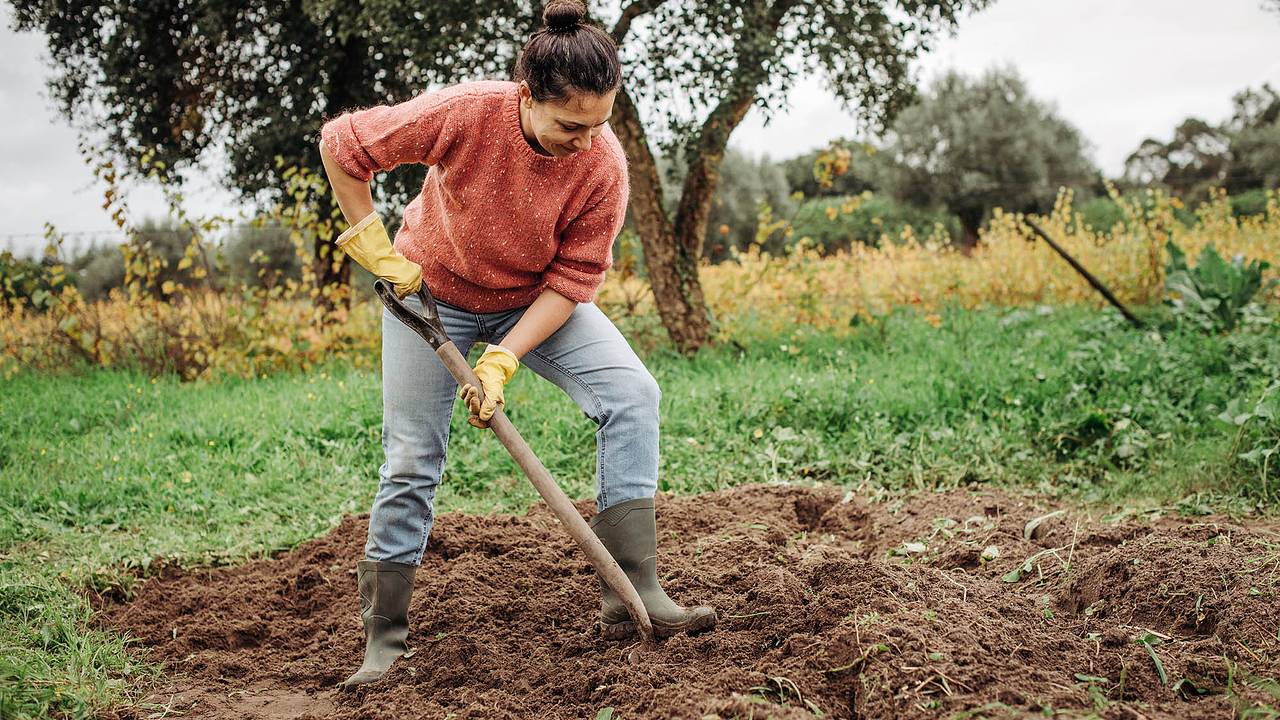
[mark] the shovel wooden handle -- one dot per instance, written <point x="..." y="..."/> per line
<point x="428" y="326"/>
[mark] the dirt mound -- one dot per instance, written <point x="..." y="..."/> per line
<point x="983" y="605"/>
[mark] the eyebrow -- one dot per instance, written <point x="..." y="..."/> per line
<point x="569" y="122"/>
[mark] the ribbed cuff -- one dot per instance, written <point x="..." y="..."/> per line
<point x="357" y="228"/>
<point x="501" y="349"/>
<point x="578" y="286"/>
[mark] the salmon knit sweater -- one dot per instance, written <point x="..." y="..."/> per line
<point x="496" y="222"/>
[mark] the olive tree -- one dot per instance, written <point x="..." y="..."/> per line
<point x="975" y="144"/>
<point x="256" y="79"/>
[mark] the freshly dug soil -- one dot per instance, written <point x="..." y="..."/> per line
<point x="830" y="606"/>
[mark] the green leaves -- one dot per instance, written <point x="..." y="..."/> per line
<point x="973" y="144"/>
<point x="1267" y="409"/>
<point x="1016" y="574"/>
<point x="1214" y="293"/>
<point x="1148" y="641"/>
<point x="1257" y="436"/>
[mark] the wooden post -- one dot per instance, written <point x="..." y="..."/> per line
<point x="1097" y="284"/>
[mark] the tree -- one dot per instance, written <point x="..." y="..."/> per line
<point x="1254" y="131"/>
<point x="261" y="255"/>
<point x="98" y="270"/>
<point x="1242" y="153"/>
<point x="721" y="58"/>
<point x="1195" y="159"/>
<point x="258" y="78"/>
<point x="251" y="78"/>
<point x="973" y="145"/>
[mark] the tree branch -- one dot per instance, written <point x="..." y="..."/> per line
<point x="703" y="168"/>
<point x="635" y="9"/>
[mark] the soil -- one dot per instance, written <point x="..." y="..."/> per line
<point x="830" y="605"/>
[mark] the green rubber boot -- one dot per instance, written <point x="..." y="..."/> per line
<point x="385" y="588"/>
<point x="629" y="532"/>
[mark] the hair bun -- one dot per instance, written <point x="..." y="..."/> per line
<point x="560" y="15"/>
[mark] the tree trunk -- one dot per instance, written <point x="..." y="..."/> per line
<point x="672" y="250"/>
<point x="970" y="222"/>
<point x="671" y="264"/>
<point x="704" y="171"/>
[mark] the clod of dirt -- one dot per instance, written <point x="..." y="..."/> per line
<point x="821" y="615"/>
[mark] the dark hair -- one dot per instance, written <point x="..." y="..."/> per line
<point x="568" y="54"/>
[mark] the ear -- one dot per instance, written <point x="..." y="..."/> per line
<point x="526" y="95"/>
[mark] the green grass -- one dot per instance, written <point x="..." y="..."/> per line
<point x="101" y="474"/>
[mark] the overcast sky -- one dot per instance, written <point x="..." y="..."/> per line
<point x="1120" y="71"/>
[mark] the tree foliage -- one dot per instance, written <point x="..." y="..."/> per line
<point x="838" y="223"/>
<point x="98" y="270"/>
<point x="1240" y="154"/>
<point x="973" y="145"/>
<point x="254" y="80"/>
<point x="1193" y="160"/>
<point x="747" y="184"/>
<point x="246" y="81"/>
<point x="1254" y="132"/>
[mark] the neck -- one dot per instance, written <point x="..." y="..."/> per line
<point x="527" y="132"/>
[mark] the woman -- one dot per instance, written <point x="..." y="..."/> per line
<point x="512" y="232"/>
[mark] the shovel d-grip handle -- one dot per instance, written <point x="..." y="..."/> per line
<point x="428" y="325"/>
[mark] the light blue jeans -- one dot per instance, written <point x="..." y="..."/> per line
<point x="587" y="358"/>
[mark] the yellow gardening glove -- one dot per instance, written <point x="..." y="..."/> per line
<point x="495" y="369"/>
<point x="367" y="243"/>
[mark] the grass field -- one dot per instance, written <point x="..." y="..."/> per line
<point x="105" y="473"/>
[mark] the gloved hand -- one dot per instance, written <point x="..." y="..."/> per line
<point x="494" y="369"/>
<point x="368" y="244"/>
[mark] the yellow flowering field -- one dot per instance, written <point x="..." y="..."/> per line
<point x="1008" y="268"/>
<point x="196" y="333"/>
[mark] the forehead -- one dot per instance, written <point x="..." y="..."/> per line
<point x="584" y="108"/>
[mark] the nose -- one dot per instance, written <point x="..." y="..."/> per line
<point x="582" y="143"/>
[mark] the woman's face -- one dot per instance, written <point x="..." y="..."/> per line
<point x="564" y="128"/>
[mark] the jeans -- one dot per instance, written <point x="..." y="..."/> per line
<point x="586" y="357"/>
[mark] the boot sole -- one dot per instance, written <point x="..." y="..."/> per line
<point x="624" y="630"/>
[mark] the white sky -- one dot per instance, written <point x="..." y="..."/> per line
<point x="1120" y="71"/>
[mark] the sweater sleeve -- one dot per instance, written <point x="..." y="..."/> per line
<point x="586" y="245"/>
<point x="377" y="139"/>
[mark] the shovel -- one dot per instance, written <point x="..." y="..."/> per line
<point x="428" y="326"/>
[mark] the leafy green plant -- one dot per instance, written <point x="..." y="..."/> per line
<point x="1214" y="293"/>
<point x="1148" y="641"/>
<point x="29" y="283"/>
<point x="837" y="223"/>
<point x="1257" y="439"/>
